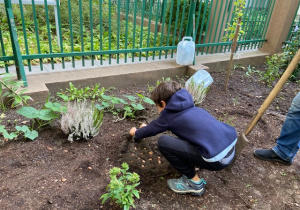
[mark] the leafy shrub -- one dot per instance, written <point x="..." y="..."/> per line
<point x="289" y="52"/>
<point x="81" y="121"/>
<point x="275" y="65"/>
<point x="122" y="187"/>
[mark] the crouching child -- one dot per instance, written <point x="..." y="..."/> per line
<point x="201" y="140"/>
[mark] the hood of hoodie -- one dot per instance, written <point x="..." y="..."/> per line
<point x="180" y="101"/>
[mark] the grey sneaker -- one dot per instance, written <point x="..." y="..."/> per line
<point x="184" y="186"/>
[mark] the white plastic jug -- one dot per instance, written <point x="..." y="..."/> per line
<point x="185" y="51"/>
<point x="200" y="77"/>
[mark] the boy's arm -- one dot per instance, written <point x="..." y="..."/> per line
<point x="156" y="126"/>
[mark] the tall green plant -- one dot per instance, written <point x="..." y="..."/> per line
<point x="11" y="92"/>
<point x="233" y="33"/>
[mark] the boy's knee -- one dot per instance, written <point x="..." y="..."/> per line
<point x="162" y="141"/>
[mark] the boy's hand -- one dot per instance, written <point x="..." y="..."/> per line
<point x="143" y="125"/>
<point x="132" y="131"/>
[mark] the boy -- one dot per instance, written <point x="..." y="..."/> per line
<point x="201" y="140"/>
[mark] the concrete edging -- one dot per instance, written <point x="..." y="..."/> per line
<point x="122" y="76"/>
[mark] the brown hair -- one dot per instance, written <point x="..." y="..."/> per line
<point x="164" y="91"/>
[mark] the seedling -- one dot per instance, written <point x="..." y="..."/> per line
<point x="122" y="187"/>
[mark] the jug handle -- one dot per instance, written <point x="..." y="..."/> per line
<point x="189" y="38"/>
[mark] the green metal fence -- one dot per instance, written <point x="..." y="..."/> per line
<point x="295" y="27"/>
<point x="57" y="32"/>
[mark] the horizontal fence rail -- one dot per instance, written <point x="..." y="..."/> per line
<point x="57" y="32"/>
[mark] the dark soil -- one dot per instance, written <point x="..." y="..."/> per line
<point x="52" y="173"/>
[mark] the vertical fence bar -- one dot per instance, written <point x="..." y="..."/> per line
<point x="101" y="31"/>
<point x="109" y="29"/>
<point x="169" y="28"/>
<point x="261" y="24"/>
<point x="3" y="50"/>
<point x="49" y="31"/>
<point x="202" y="23"/>
<point x="134" y="27"/>
<point x="268" y="21"/>
<point x="91" y="28"/>
<point x="71" y="31"/>
<point x="118" y="30"/>
<point x="81" y="31"/>
<point x="155" y="33"/>
<point x="213" y="21"/>
<point x="163" y="26"/>
<point x="182" y="19"/>
<point x="256" y="13"/>
<point x="216" y="27"/>
<point x="291" y="29"/>
<point x="142" y="30"/>
<point x="149" y="28"/>
<point x="15" y="43"/>
<point x="175" y="27"/>
<point x="60" y="34"/>
<point x="36" y="29"/>
<point x="221" y="27"/>
<point x="24" y="34"/>
<point x="126" y="29"/>
<point x="245" y="23"/>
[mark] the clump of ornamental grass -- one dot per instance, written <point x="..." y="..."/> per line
<point x="198" y="91"/>
<point x="82" y="121"/>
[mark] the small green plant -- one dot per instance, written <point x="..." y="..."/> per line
<point x="73" y="93"/>
<point x="43" y="116"/>
<point x="82" y="121"/>
<point x="122" y="187"/>
<point x="13" y="94"/>
<point x="275" y="65"/>
<point x="126" y="108"/>
<point x="250" y="70"/>
<point x="150" y="88"/>
<point x="198" y="91"/>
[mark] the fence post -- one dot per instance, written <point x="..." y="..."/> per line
<point x="15" y="43"/>
<point x="279" y="26"/>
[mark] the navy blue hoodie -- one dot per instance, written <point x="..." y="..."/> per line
<point x="192" y="124"/>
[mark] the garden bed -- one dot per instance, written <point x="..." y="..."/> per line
<point x="52" y="173"/>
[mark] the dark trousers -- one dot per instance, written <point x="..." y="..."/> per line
<point x="184" y="156"/>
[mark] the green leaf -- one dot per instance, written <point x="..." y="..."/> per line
<point x="10" y="136"/>
<point x="2" y="129"/>
<point x="131" y="98"/>
<point x="46" y="114"/>
<point x="105" y="97"/>
<point x="56" y="107"/>
<point x="31" y="134"/>
<point x="28" y="112"/>
<point x="105" y="104"/>
<point x="148" y="100"/>
<point x="136" y="193"/>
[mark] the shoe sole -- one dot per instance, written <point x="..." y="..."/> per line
<point x="188" y="192"/>
<point x="272" y="160"/>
